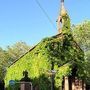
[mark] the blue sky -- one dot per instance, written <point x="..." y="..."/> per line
<point x="23" y="20"/>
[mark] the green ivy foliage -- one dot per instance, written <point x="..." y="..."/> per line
<point x="38" y="61"/>
<point x="66" y="25"/>
<point x="60" y="49"/>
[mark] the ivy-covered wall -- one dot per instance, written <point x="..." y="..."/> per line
<point x="60" y="49"/>
<point x="38" y="61"/>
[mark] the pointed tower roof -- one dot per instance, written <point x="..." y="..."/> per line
<point x="63" y="10"/>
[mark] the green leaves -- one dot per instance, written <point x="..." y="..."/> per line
<point x="38" y="61"/>
<point x="62" y="71"/>
<point x="81" y="34"/>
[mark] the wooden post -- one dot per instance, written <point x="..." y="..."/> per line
<point x="73" y="86"/>
<point x="66" y="83"/>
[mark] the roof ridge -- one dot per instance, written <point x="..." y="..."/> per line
<point x="23" y="55"/>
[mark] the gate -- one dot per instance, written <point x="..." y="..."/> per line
<point x="21" y="86"/>
<point x="26" y="86"/>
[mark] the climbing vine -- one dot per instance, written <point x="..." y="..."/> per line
<point x="60" y="49"/>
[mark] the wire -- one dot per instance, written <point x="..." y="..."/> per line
<point x="38" y="3"/>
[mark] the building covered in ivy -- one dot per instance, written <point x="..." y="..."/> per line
<point x="59" y="53"/>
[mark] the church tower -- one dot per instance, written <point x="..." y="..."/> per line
<point x="60" y="20"/>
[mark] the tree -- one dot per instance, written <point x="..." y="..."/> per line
<point x="4" y="57"/>
<point x="81" y="34"/>
<point x="10" y="55"/>
<point x="17" y="50"/>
